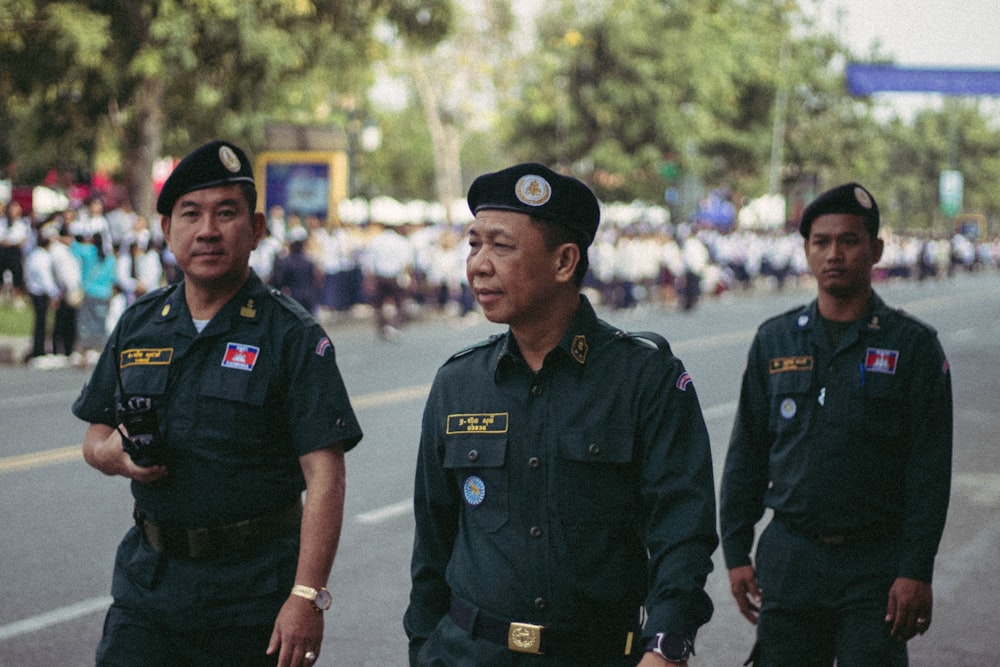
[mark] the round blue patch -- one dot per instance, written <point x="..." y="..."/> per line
<point x="474" y="490"/>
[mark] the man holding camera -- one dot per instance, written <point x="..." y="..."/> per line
<point x="221" y="400"/>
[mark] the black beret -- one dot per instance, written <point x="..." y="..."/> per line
<point x="535" y="189"/>
<point x="214" y="164"/>
<point x="850" y="198"/>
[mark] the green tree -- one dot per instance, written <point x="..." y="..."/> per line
<point x="148" y="78"/>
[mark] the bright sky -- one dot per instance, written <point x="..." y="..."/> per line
<point x="922" y="32"/>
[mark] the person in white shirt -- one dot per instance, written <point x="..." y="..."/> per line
<point x="388" y="262"/>
<point x="40" y="283"/>
<point x="66" y="269"/>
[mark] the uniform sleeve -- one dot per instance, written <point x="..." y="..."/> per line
<point x="678" y="494"/>
<point x="317" y="402"/>
<point x="96" y="402"/>
<point x="927" y="484"/>
<point x="745" y="474"/>
<point x="436" y="510"/>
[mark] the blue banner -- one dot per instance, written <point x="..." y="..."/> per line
<point x="868" y="79"/>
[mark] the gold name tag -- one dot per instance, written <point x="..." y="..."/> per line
<point x="785" y="364"/>
<point x="146" y="357"/>
<point x="490" y="422"/>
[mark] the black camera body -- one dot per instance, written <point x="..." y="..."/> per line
<point x="143" y="442"/>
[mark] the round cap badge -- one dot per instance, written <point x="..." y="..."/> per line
<point x="229" y="159"/>
<point x="788" y="408"/>
<point x="532" y="190"/>
<point x="474" y="491"/>
<point x="862" y="196"/>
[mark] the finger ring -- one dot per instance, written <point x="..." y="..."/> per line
<point x="310" y="656"/>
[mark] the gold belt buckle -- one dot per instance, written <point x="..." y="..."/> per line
<point x="525" y="638"/>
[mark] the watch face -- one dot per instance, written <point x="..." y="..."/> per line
<point x="675" y="649"/>
<point x="323" y="599"/>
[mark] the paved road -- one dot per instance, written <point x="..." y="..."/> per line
<point x="61" y="520"/>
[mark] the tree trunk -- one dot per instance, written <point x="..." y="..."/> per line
<point x="143" y="143"/>
<point x="445" y="138"/>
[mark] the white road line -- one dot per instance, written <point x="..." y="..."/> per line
<point x="381" y="514"/>
<point x="54" y="617"/>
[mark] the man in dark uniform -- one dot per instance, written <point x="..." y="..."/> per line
<point x="225" y="565"/>
<point x="564" y="498"/>
<point x="844" y="430"/>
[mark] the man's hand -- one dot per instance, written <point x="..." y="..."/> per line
<point x="909" y="608"/>
<point x="743" y="585"/>
<point x="102" y="449"/>
<point x="650" y="659"/>
<point x="297" y="630"/>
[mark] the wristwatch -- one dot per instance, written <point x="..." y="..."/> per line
<point x="671" y="647"/>
<point x="320" y="597"/>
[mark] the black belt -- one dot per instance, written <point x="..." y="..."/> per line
<point x="838" y="539"/>
<point x="219" y="540"/>
<point x="531" y="638"/>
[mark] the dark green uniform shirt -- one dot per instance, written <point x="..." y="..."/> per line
<point x="237" y="405"/>
<point x="569" y="497"/>
<point x="842" y="440"/>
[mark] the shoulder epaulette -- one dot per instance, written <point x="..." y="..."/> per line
<point x="291" y="305"/>
<point x="475" y="346"/>
<point x="649" y="339"/>
<point x="791" y="311"/>
<point x="157" y="293"/>
<point x="912" y="318"/>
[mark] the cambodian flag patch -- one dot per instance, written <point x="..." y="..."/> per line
<point x="881" y="361"/>
<point x="683" y="381"/>
<point x="241" y="357"/>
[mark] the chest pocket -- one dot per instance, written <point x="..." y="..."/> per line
<point x="882" y="405"/>
<point x="790" y="398"/>
<point x="477" y="464"/>
<point x="596" y="477"/>
<point x="233" y="401"/>
<point x="145" y="380"/>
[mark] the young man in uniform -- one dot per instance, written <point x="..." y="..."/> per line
<point x="844" y="430"/>
<point x="564" y="498"/>
<point x="233" y="406"/>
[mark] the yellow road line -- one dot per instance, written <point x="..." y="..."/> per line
<point x="39" y="459"/>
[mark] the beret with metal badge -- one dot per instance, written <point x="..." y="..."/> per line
<point x="214" y="164"/>
<point x="850" y="199"/>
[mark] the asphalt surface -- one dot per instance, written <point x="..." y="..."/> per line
<point x="60" y="520"/>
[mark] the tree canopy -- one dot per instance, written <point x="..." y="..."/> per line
<point x="632" y="96"/>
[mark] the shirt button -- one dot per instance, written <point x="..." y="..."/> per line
<point x="536" y="390"/>
<point x="535" y="531"/>
<point x="594" y="448"/>
<point x="473" y="455"/>
<point x="541" y="604"/>
<point x="533" y="462"/>
<point x="340" y="422"/>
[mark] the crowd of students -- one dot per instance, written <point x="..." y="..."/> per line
<point x="85" y="265"/>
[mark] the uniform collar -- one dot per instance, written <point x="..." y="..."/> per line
<point x="244" y="305"/>
<point x="870" y="323"/>
<point x="573" y="348"/>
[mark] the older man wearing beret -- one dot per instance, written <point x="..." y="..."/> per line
<point x="221" y="400"/>
<point x="564" y="494"/>
<point x="844" y="431"/>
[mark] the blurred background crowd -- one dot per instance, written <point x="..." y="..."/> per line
<point x="80" y="266"/>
